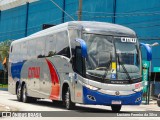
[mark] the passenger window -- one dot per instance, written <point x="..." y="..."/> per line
<point x="16" y="51"/>
<point x="31" y="49"/>
<point x="40" y="47"/>
<point x="50" y="45"/>
<point x="24" y="50"/>
<point x="62" y="45"/>
<point x="11" y="49"/>
<point x="73" y="34"/>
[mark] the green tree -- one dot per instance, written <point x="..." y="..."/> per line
<point x="4" y="51"/>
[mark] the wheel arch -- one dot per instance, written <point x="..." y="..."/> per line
<point x="65" y="86"/>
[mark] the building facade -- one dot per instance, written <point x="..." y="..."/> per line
<point x="20" y="18"/>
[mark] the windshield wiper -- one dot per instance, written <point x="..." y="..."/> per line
<point x="107" y="68"/>
<point x="106" y="71"/>
<point x="125" y="70"/>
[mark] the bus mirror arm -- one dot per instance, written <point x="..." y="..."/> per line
<point x="83" y="47"/>
<point x="148" y="49"/>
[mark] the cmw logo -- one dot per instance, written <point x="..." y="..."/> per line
<point x="124" y="39"/>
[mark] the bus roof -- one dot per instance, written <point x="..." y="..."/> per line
<point x="88" y="26"/>
<point x="106" y="28"/>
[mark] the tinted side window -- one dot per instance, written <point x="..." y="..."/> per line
<point x="14" y="55"/>
<point x="17" y="53"/>
<point x="11" y="48"/>
<point x="50" y="45"/>
<point x="62" y="44"/>
<point x="11" y="54"/>
<point x="73" y="34"/>
<point x="40" y="47"/>
<point x="24" y="50"/>
<point x="31" y="49"/>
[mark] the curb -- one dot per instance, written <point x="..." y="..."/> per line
<point x="153" y="102"/>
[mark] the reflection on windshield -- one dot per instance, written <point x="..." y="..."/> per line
<point x="99" y="48"/>
<point x="127" y="52"/>
<point x="128" y="58"/>
<point x="101" y="53"/>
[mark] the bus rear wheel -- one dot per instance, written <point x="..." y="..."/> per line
<point x="19" y="93"/>
<point x="68" y="103"/>
<point x="24" y="94"/>
<point x="116" y="108"/>
<point x="158" y="102"/>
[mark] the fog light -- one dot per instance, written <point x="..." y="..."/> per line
<point x="138" y="99"/>
<point x="138" y="89"/>
<point x="90" y="97"/>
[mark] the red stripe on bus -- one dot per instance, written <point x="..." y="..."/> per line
<point x="55" y="91"/>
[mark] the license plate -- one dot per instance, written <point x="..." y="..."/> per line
<point x="116" y="102"/>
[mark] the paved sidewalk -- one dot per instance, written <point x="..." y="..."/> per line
<point x="7" y="108"/>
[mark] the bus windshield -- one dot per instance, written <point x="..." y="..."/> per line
<point x="127" y="58"/>
<point x="103" y="50"/>
<point x="100" y="51"/>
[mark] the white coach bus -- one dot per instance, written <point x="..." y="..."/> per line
<point x="82" y="62"/>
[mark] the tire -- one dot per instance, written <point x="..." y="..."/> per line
<point x="116" y="108"/>
<point x="25" y="98"/>
<point x="68" y="103"/>
<point x="19" y="93"/>
<point x="158" y="102"/>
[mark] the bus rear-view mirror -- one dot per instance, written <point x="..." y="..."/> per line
<point x="83" y="47"/>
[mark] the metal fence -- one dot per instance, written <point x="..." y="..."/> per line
<point x="155" y="88"/>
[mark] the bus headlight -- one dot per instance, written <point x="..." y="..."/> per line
<point x="138" y="89"/>
<point x="91" y="87"/>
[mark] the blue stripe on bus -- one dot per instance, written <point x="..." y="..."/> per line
<point x="16" y="69"/>
<point x="104" y="99"/>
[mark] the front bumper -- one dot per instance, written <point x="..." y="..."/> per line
<point x="104" y="99"/>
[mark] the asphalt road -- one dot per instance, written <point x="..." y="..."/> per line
<point x="46" y="105"/>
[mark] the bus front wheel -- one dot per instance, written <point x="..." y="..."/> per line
<point x="68" y="103"/>
<point x="116" y="108"/>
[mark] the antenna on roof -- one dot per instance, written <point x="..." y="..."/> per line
<point x="62" y="10"/>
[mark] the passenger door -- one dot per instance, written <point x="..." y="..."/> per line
<point x="79" y="68"/>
